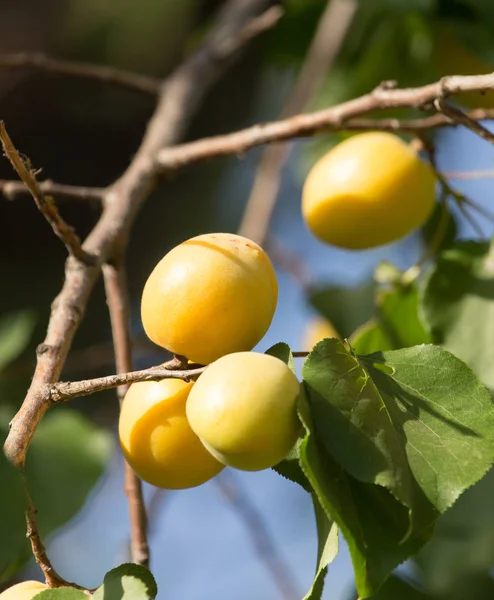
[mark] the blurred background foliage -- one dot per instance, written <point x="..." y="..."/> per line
<point x="84" y="132"/>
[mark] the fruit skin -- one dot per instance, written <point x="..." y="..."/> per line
<point x="367" y="191"/>
<point x="157" y="440"/>
<point x="23" y="591"/>
<point x="212" y="295"/>
<point x="243" y="408"/>
<point x="318" y="329"/>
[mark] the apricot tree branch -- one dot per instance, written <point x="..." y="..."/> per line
<point x="44" y="203"/>
<point x="63" y="391"/>
<point x="12" y="189"/>
<point x="40" y="62"/>
<point x="52" y="578"/>
<point x="328" y="39"/>
<point x="67" y="390"/>
<point x="342" y="117"/>
<point x="461" y="117"/>
<point x="179" y="98"/>
<point x="469" y="175"/>
<point x="232" y="492"/>
<point x="126" y="79"/>
<point x="116" y="289"/>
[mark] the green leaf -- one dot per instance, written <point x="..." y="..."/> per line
<point x="127" y="582"/>
<point x="415" y="422"/>
<point x="346" y="308"/>
<point x="359" y="423"/>
<point x="439" y="232"/>
<point x="396" y="588"/>
<point x="327" y="541"/>
<point x="12" y="525"/>
<point x="65" y="460"/>
<point x="289" y="468"/>
<point x="458" y="305"/>
<point x="15" y="332"/>
<point x="370" y="337"/>
<point x="463" y="542"/>
<point x="283" y="352"/>
<point x="396" y="324"/>
<point x="62" y="593"/>
<point x="371" y="520"/>
<point x="416" y="415"/>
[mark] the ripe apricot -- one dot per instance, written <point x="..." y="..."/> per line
<point x="157" y="440"/>
<point x="23" y="591"/>
<point x="243" y="408"/>
<point x="369" y="190"/>
<point x="212" y="295"/>
<point x="318" y="329"/>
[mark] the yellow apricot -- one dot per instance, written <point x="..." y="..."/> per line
<point x="243" y="408"/>
<point x="157" y="440"/>
<point x="23" y="591"/>
<point x="369" y="190"/>
<point x="212" y="295"/>
<point x="318" y="329"/>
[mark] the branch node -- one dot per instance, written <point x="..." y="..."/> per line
<point x="45" y="204"/>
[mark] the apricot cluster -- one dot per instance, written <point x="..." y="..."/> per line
<point x="211" y="300"/>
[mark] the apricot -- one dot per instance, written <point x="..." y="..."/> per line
<point x="243" y="408"/>
<point x="318" y="329"/>
<point x="212" y="295"/>
<point x="23" y="591"/>
<point x="157" y="440"/>
<point x="367" y="191"/>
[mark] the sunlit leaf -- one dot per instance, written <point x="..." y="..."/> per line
<point x="458" y="305"/>
<point x="327" y="542"/>
<point x="127" y="582"/>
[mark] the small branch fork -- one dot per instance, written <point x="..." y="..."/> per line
<point x="342" y="117"/>
<point x="12" y="189"/>
<point x="44" y="203"/>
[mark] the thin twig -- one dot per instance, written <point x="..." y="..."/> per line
<point x="180" y="96"/>
<point x="233" y="493"/>
<point x="62" y="391"/>
<point x="328" y="39"/>
<point x="44" y="203"/>
<point x="67" y="390"/>
<point x="449" y="191"/>
<point x="40" y="62"/>
<point x="52" y="578"/>
<point x="470" y="175"/>
<point x="115" y="279"/>
<point x="12" y="189"/>
<point x="341" y="117"/>
<point x="461" y="117"/>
